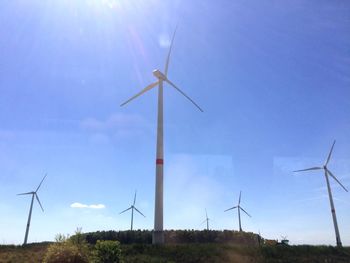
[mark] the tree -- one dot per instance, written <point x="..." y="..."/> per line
<point x="107" y="251"/>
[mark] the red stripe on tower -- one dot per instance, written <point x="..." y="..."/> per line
<point x="160" y="161"/>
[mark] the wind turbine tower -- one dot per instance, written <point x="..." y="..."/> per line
<point x="328" y="173"/>
<point x="206" y="219"/>
<point x="158" y="234"/>
<point x="34" y="194"/>
<point x="239" y="208"/>
<point x="132" y="207"/>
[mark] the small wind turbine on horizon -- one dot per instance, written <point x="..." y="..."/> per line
<point x="132" y="207"/>
<point x="206" y="219"/>
<point x="158" y="234"/>
<point x="239" y="208"/>
<point x="33" y="193"/>
<point x="328" y="173"/>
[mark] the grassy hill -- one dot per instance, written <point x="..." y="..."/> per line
<point x="219" y="250"/>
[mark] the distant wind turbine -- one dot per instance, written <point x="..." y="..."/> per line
<point x="132" y="207"/>
<point x="206" y="219"/>
<point x="33" y="193"/>
<point x="158" y="234"/>
<point x="328" y="173"/>
<point x="238" y="209"/>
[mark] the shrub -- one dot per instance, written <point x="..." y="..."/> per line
<point x="107" y="251"/>
<point x="78" y="240"/>
<point x="67" y="250"/>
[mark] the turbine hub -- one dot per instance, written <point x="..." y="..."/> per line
<point x="158" y="74"/>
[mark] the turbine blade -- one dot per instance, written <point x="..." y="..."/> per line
<point x="125" y="210"/>
<point x="245" y="211"/>
<point x="172" y="84"/>
<point x="239" y="200"/>
<point x="139" y="211"/>
<point x="40" y="183"/>
<point x="150" y="86"/>
<point x="37" y="198"/>
<point x="168" y="57"/>
<point x="134" y="198"/>
<point x="231" y="208"/>
<point x="331" y="174"/>
<point x="204" y="221"/>
<point x="308" y="169"/>
<point x="330" y="154"/>
<point x="29" y="193"/>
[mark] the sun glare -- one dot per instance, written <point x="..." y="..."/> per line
<point x="112" y="4"/>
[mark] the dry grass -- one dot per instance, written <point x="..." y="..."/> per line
<point x="209" y="252"/>
<point x="32" y="253"/>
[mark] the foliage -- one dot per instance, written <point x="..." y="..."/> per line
<point x="175" y="237"/>
<point x="195" y="252"/>
<point x="29" y="253"/>
<point x="107" y="251"/>
<point x="68" y="249"/>
<point x="78" y="240"/>
<point x="124" y="237"/>
<point x="299" y="253"/>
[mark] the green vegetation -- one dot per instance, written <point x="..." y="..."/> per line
<point x="107" y="252"/>
<point x="305" y="253"/>
<point x="175" y="237"/>
<point x="30" y="253"/>
<point x="65" y="249"/>
<point x="190" y="253"/>
<point x="184" y="246"/>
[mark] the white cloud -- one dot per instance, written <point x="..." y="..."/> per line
<point x="164" y="41"/>
<point x="98" y="206"/>
<point x="80" y="205"/>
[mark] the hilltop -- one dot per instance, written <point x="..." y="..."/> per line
<point x="189" y="246"/>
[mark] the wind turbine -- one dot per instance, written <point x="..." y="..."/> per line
<point x="328" y="173"/>
<point x="206" y="219"/>
<point x="132" y="207"/>
<point x="33" y="193"/>
<point x="239" y="208"/>
<point x="158" y="234"/>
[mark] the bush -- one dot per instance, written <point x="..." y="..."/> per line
<point x="78" y="240"/>
<point x="107" y="251"/>
<point x="72" y="250"/>
<point x="64" y="252"/>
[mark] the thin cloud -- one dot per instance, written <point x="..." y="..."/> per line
<point x="114" y="121"/>
<point x="80" y="205"/>
<point x="164" y="41"/>
<point x="116" y="126"/>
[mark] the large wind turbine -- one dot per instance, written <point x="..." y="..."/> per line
<point x="33" y="193"/>
<point x="132" y="207"/>
<point x="158" y="235"/>
<point x="328" y="173"/>
<point x="206" y="219"/>
<point x="239" y="212"/>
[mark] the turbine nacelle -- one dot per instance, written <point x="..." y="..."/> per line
<point x="159" y="75"/>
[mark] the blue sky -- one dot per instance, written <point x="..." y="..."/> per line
<point x="273" y="80"/>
